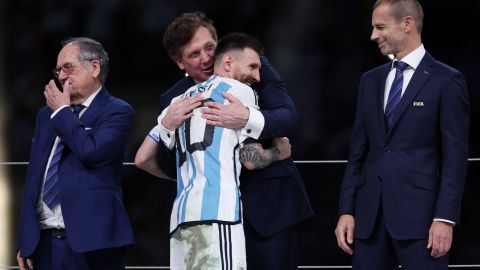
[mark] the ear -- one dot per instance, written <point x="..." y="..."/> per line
<point x="179" y="62"/>
<point x="95" y="68"/>
<point x="408" y="23"/>
<point x="227" y="61"/>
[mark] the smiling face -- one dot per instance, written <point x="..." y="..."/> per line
<point x="388" y="32"/>
<point x="82" y="78"/>
<point x="198" y="55"/>
<point x="242" y="65"/>
<point x="246" y="67"/>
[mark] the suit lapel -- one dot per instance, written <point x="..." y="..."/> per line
<point x="43" y="148"/>
<point x="50" y="140"/>
<point x="380" y="84"/>
<point x="97" y="103"/>
<point x="420" y="76"/>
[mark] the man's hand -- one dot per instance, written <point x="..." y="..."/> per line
<point x="54" y="98"/>
<point x="344" y="233"/>
<point x="440" y="238"/>
<point x="180" y="110"/>
<point x="233" y="115"/>
<point x="24" y="264"/>
<point x="283" y="146"/>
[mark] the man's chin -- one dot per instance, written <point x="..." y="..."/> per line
<point x="206" y="75"/>
<point x="386" y="51"/>
<point x="209" y="72"/>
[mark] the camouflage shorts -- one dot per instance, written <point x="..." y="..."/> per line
<point x="208" y="246"/>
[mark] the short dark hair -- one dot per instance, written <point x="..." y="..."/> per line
<point x="402" y="8"/>
<point x="181" y="30"/>
<point x="237" y="41"/>
<point x="90" y="49"/>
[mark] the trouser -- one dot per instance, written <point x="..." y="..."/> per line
<point x="54" y="253"/>
<point x="382" y="252"/>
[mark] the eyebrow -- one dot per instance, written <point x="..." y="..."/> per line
<point x="63" y="65"/>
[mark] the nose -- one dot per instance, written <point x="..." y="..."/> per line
<point x="374" y="35"/>
<point x="62" y="75"/>
<point x="206" y="56"/>
<point x="256" y="75"/>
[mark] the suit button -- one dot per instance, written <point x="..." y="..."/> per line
<point x="379" y="179"/>
<point x="387" y="149"/>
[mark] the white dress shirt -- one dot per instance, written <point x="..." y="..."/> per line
<point x="413" y="60"/>
<point x="53" y="218"/>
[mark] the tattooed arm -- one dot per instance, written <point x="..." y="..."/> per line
<point x="253" y="156"/>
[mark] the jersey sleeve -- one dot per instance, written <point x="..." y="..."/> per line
<point x="154" y="133"/>
<point x="246" y="95"/>
<point x="166" y="135"/>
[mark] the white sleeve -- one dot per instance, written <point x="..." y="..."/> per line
<point x="255" y="124"/>
<point x="256" y="121"/>
<point x="57" y="110"/>
<point x="167" y="136"/>
<point x="445" y="220"/>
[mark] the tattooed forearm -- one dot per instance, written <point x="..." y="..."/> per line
<point x="253" y="156"/>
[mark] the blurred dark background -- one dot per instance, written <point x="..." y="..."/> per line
<point x="319" y="47"/>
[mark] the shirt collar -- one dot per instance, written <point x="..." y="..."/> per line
<point x="413" y="58"/>
<point x="89" y="100"/>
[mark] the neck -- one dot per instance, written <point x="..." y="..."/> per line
<point x="409" y="47"/>
<point x="222" y="73"/>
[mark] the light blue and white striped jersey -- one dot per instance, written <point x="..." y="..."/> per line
<point x="208" y="165"/>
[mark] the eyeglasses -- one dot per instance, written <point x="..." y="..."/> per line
<point x="67" y="68"/>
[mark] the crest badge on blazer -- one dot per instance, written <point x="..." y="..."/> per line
<point x="418" y="104"/>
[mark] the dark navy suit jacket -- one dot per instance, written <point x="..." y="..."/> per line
<point x="416" y="170"/>
<point x="274" y="198"/>
<point x="89" y="175"/>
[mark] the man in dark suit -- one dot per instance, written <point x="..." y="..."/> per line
<point x="401" y="192"/>
<point x="72" y="213"/>
<point x="274" y="198"/>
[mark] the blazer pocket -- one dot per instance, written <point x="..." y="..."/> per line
<point x="423" y="181"/>
<point x="422" y="109"/>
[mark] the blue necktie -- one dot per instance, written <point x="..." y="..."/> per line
<point x="395" y="92"/>
<point x="50" y="188"/>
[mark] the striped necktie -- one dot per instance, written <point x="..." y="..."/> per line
<point x="395" y="92"/>
<point x="50" y="188"/>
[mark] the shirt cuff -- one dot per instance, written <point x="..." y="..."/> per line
<point x="255" y="124"/>
<point x="167" y="136"/>
<point x="444" y="220"/>
<point x="56" y="111"/>
<point x="155" y="133"/>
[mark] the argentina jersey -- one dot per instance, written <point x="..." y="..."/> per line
<point x="208" y="164"/>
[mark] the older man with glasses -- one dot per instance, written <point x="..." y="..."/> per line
<point x="72" y="214"/>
